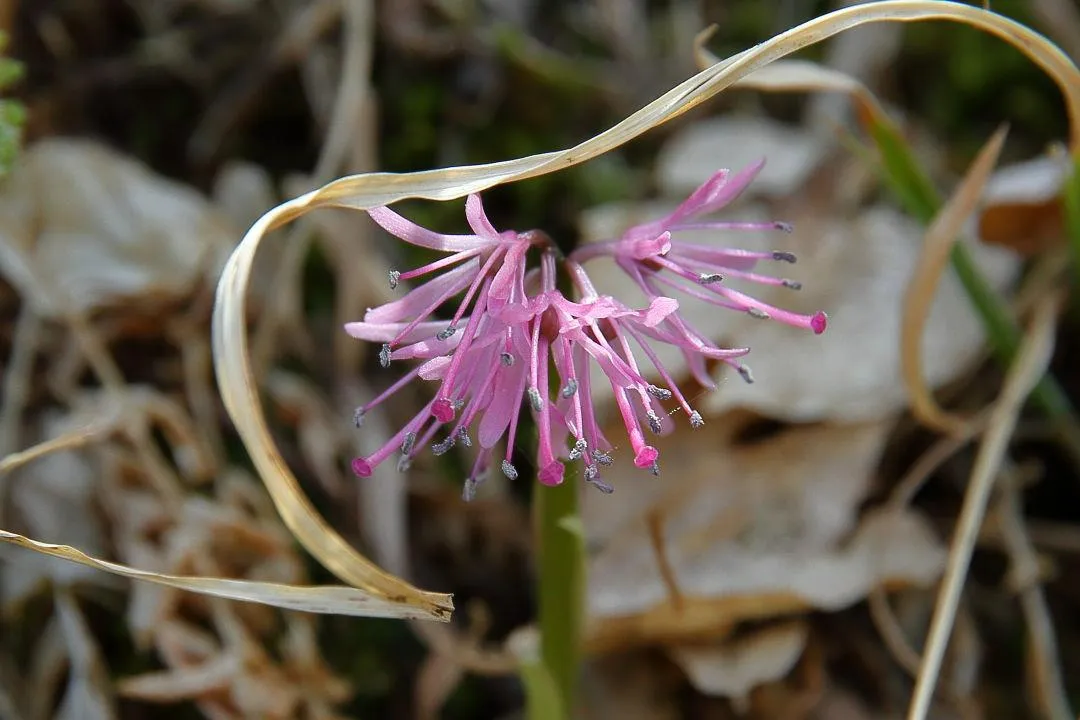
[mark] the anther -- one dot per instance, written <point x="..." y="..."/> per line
<point x="709" y="278"/>
<point x="404" y="463"/>
<point x="468" y="491"/>
<point x="447" y="333"/>
<point x="358" y="416"/>
<point x="654" y="422"/>
<point x="791" y="284"/>
<point x="407" y="443"/>
<point x="782" y="256"/>
<point x="384" y="355"/>
<point x="509" y="470"/>
<point x="655" y="469"/>
<point x="463" y="436"/>
<point x="507" y="359"/>
<point x="602" y="458"/>
<point x="784" y="227"/>
<point x="395" y="276"/>
<point x="570" y="388"/>
<point x="744" y="371"/>
<point x="658" y="392"/>
<point x="578" y="450"/>
<point x="441" y="448"/>
<point x="757" y="313"/>
<point x="535" y="400"/>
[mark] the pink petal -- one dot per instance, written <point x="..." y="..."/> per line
<point x="478" y="219"/>
<point x="412" y="233"/>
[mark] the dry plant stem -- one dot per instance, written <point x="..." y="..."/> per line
<point x="24" y="346"/>
<point x="938" y="242"/>
<point x="1030" y="365"/>
<point x="67" y="441"/>
<point x="1044" y="666"/>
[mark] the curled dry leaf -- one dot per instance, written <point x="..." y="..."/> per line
<point x="85" y="226"/>
<point x="233" y="359"/>
<point x="734" y="668"/>
<point x="747" y="530"/>
<point x="858" y="268"/>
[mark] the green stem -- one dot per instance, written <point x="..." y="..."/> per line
<point x="562" y="580"/>
<point x="1071" y="198"/>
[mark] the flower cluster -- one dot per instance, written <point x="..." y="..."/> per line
<point x="513" y="329"/>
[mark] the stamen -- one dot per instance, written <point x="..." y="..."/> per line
<point x="592" y="476"/>
<point x="695" y="420"/>
<point x="408" y="442"/>
<point x="791" y="284"/>
<point x="395" y="278"/>
<point x="404" y="463"/>
<point x="535" y="400"/>
<point x="757" y="313"/>
<point x="447" y="333"/>
<point x="463" y="436"/>
<point x="509" y="470"/>
<point x="602" y="458"/>
<point x="384" y="355"/>
<point x="570" y="389"/>
<point x="507" y="359"/>
<point x="784" y="227"/>
<point x="655" y="469"/>
<point x="358" y="416"/>
<point x="658" y="392"/>
<point x="361" y="467"/>
<point x="782" y="256"/>
<point x="709" y="278"/>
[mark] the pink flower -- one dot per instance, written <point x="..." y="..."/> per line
<point x="653" y="256"/>
<point x="513" y="327"/>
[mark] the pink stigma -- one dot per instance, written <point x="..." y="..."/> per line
<point x="552" y="474"/>
<point x="443" y="410"/>
<point x="361" y="467"/>
<point x="646" y="456"/>
<point x="818" y="322"/>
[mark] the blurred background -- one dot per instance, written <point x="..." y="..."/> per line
<point x="786" y="563"/>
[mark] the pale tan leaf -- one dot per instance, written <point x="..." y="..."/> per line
<point x="82" y="226"/>
<point x="692" y="154"/>
<point x="232" y="358"/>
<point x="749" y="530"/>
<point x="735" y="668"/>
<point x="938" y="242"/>
<point x="331" y="599"/>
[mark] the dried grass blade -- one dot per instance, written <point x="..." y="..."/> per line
<point x="327" y="599"/>
<point x="938" y="242"/>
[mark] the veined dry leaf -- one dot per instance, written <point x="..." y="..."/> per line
<point x="734" y="668"/>
<point x="855" y="267"/>
<point x="748" y="531"/>
<point x="82" y="226"/>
